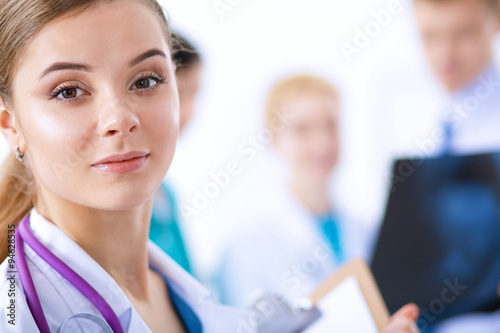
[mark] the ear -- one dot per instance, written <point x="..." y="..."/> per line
<point x="8" y="125"/>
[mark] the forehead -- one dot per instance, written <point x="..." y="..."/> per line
<point x="448" y="12"/>
<point x="309" y="106"/>
<point x="107" y="33"/>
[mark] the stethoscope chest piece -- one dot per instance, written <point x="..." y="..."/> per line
<point x="85" y="323"/>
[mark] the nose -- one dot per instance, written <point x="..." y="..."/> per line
<point x="118" y="119"/>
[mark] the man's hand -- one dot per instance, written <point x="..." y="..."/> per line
<point x="404" y="320"/>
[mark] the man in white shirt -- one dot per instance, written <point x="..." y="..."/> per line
<point x="459" y="36"/>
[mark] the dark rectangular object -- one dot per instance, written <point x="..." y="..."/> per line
<point x="439" y="245"/>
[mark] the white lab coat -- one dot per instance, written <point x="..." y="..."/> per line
<point x="281" y="249"/>
<point x="60" y="300"/>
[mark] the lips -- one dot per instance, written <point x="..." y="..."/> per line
<point x="122" y="163"/>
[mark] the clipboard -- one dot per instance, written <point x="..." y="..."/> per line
<point x="306" y="314"/>
<point x="358" y="269"/>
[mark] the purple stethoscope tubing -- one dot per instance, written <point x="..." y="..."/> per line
<point x="24" y="235"/>
<point x="29" y="287"/>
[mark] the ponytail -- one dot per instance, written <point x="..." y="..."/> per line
<point x="17" y="195"/>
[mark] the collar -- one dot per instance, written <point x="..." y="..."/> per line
<point x="489" y="74"/>
<point x="62" y="246"/>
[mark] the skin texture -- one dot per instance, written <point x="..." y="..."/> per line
<point x="62" y="139"/>
<point x="458" y="36"/>
<point x="310" y="144"/>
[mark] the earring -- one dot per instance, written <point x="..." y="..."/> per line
<point x="19" y="155"/>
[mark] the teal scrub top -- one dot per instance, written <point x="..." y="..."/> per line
<point x="165" y="231"/>
<point x="329" y="224"/>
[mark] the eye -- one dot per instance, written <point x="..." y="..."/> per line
<point x="147" y="82"/>
<point x="67" y="92"/>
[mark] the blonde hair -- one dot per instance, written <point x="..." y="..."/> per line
<point x="291" y="87"/>
<point x="20" y="21"/>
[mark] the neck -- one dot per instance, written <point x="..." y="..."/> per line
<point x="312" y="194"/>
<point x="116" y="240"/>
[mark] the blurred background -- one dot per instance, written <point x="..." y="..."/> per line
<point x="247" y="49"/>
<point x="390" y="102"/>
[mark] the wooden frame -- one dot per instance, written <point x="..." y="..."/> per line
<point x="360" y="270"/>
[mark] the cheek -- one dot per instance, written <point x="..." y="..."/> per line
<point x="57" y="145"/>
<point x="469" y="45"/>
<point x="300" y="151"/>
<point x="161" y="124"/>
<point x="287" y="145"/>
<point x="436" y="55"/>
<point x="334" y="141"/>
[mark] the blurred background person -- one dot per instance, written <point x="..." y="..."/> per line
<point x="458" y="37"/>
<point x="166" y="222"/>
<point x="295" y="237"/>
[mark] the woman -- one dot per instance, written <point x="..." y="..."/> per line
<point x="302" y="236"/>
<point x="90" y="108"/>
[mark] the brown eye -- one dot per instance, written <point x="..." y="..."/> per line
<point x="69" y="93"/>
<point x="143" y="84"/>
<point x="148" y="82"/>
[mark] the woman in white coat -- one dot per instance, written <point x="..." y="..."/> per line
<point x="295" y="236"/>
<point x="89" y="105"/>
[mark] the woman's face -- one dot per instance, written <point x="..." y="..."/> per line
<point x="93" y="85"/>
<point x="310" y="142"/>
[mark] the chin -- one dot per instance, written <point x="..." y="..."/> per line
<point x="319" y="176"/>
<point x="452" y="83"/>
<point x="118" y="199"/>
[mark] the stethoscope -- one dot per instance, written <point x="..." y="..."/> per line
<point x="24" y="235"/>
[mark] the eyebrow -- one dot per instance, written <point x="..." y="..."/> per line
<point x="146" y="55"/>
<point x="61" y="66"/>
